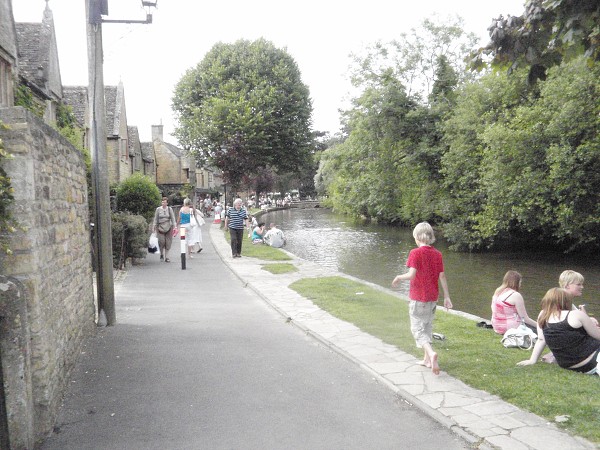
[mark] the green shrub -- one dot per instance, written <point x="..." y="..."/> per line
<point x="6" y="199"/>
<point x="129" y="237"/>
<point x="138" y="195"/>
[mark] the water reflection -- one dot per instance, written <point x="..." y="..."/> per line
<point x="377" y="253"/>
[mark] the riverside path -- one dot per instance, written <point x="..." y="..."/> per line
<point x="198" y="360"/>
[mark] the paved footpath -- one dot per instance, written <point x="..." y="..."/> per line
<point x="480" y="417"/>
<point x="197" y="360"/>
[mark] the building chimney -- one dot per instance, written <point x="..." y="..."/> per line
<point x="157" y="132"/>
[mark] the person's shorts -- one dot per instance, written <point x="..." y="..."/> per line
<point x="421" y="321"/>
<point x="596" y="369"/>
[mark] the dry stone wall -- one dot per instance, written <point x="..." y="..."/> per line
<point x="47" y="282"/>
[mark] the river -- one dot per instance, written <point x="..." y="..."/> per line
<point x="377" y="253"/>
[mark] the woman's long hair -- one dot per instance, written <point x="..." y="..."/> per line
<point x="555" y="301"/>
<point x="512" y="280"/>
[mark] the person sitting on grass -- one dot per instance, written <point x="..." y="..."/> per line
<point x="425" y="270"/>
<point x="258" y="233"/>
<point x="274" y="237"/>
<point x="570" y="334"/>
<point x="508" y="306"/>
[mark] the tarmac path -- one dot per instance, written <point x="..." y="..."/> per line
<point x="198" y="360"/>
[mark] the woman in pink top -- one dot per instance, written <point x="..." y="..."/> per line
<point x="508" y="306"/>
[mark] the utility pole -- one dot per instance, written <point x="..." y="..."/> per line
<point x="97" y="142"/>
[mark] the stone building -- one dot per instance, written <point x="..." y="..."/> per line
<point x="172" y="162"/>
<point x="39" y="70"/>
<point x="123" y="148"/>
<point x="175" y="167"/>
<point x="8" y="54"/>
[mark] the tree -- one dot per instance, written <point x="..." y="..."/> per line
<point x="547" y="33"/>
<point x="388" y="168"/>
<point x="245" y="109"/>
<point x="414" y="59"/>
<point x="522" y="165"/>
<point x="138" y="195"/>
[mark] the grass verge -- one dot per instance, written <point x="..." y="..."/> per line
<point x="471" y="354"/>
<point x="278" y="268"/>
<point x="259" y="251"/>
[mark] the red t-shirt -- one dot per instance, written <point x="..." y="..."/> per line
<point x="428" y="263"/>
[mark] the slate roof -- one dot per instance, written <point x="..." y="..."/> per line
<point x="30" y="66"/>
<point x="76" y="98"/>
<point x="175" y="150"/>
<point x="133" y="139"/>
<point x="34" y="41"/>
<point x="147" y="151"/>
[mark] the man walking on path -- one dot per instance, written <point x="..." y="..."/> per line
<point x="234" y="221"/>
<point x="198" y="364"/>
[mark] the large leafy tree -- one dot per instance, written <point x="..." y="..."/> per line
<point x="547" y="33"/>
<point x="245" y="109"/>
<point x="389" y="166"/>
<point x="522" y="165"/>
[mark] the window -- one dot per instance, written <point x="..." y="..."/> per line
<point x="5" y="83"/>
<point x="123" y="150"/>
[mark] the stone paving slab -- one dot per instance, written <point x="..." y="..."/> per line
<point x="478" y="416"/>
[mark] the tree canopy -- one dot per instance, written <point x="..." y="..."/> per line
<point x="244" y="109"/>
<point x="548" y="32"/>
<point x="494" y="161"/>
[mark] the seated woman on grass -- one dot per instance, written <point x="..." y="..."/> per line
<point x="508" y="306"/>
<point x="258" y="233"/>
<point x="570" y="334"/>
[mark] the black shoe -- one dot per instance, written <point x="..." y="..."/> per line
<point x="162" y="257"/>
<point x="199" y="250"/>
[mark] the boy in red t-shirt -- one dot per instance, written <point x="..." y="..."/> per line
<point x="425" y="269"/>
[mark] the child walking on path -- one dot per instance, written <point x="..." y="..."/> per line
<point x="425" y="269"/>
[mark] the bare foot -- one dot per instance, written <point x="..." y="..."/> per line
<point x="425" y="363"/>
<point x="434" y="364"/>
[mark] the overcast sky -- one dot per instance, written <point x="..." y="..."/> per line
<point x="318" y="34"/>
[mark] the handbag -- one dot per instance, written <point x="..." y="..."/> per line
<point x="164" y="227"/>
<point x="521" y="337"/>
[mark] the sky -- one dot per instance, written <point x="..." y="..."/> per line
<point x="319" y="34"/>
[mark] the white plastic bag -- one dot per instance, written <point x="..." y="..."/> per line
<point x="521" y="337"/>
<point x="153" y="243"/>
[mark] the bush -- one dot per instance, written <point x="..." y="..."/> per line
<point x="129" y="237"/>
<point x="138" y="195"/>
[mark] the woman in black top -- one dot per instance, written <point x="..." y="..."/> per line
<point x="571" y="335"/>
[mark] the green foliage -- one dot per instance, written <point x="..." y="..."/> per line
<point x="245" y="108"/>
<point x="138" y="195"/>
<point x="522" y="166"/>
<point x="24" y="97"/>
<point x="129" y="237"/>
<point x="546" y="34"/>
<point x="260" y="251"/>
<point x="6" y="199"/>
<point x="471" y="354"/>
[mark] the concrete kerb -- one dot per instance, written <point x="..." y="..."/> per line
<point x="216" y="234"/>
<point x="531" y="432"/>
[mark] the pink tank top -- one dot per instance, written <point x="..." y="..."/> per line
<point x="504" y="315"/>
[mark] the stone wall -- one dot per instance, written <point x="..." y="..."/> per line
<point x="46" y="286"/>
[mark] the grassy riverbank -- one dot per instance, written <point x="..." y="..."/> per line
<point x="471" y="354"/>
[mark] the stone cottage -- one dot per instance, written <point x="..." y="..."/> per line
<point x="123" y="147"/>
<point x="39" y="70"/>
<point x="8" y="54"/>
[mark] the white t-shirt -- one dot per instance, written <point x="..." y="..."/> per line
<point x="274" y="237"/>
